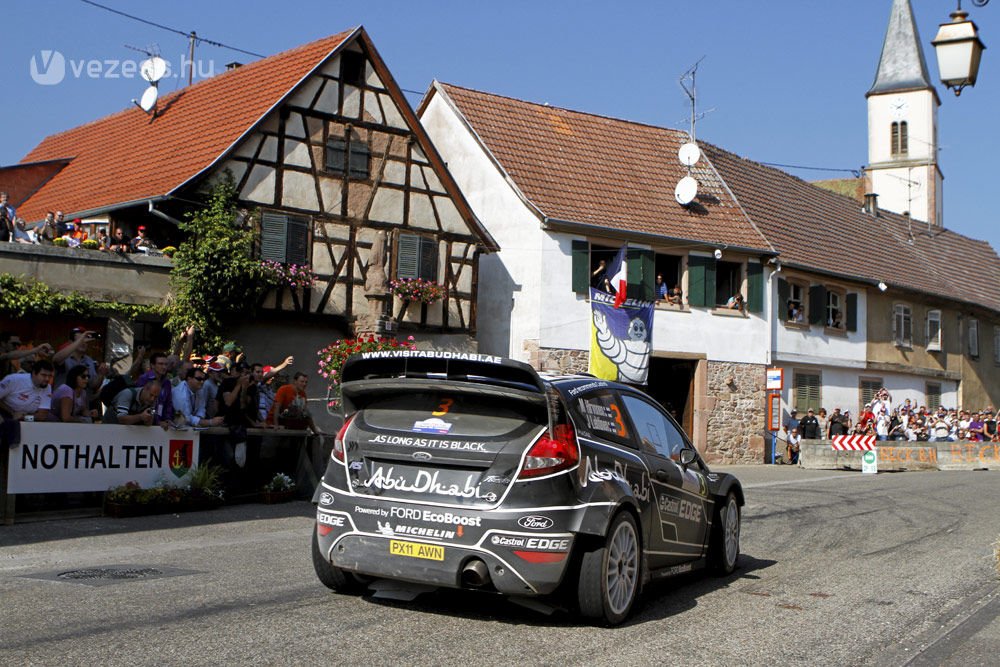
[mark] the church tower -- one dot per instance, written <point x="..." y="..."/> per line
<point x="902" y="125"/>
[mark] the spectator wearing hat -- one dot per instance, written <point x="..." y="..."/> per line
<point x="792" y="422"/>
<point x="809" y="426"/>
<point x="217" y="372"/>
<point x="158" y="366"/>
<point x="141" y="242"/>
<point x="267" y="388"/>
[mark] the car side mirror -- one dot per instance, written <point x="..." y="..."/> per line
<point x="688" y="456"/>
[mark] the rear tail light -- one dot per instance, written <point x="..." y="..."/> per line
<point x="338" y="444"/>
<point x="541" y="556"/>
<point x="322" y="529"/>
<point x="552" y="452"/>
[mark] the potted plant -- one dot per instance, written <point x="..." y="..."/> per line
<point x="280" y="489"/>
<point x="90" y="244"/>
<point x="123" y="500"/>
<point x="169" y="251"/>
<point x="417" y="289"/>
<point x="205" y="486"/>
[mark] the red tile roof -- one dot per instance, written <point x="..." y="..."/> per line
<point x="817" y="229"/>
<point x="582" y="168"/>
<point x="195" y="126"/>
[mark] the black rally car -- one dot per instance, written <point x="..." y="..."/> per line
<point x="472" y="471"/>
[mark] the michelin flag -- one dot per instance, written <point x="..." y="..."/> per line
<point x="620" y="337"/>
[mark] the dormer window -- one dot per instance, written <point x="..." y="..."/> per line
<point x="900" y="138"/>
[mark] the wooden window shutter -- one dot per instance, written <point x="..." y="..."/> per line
<point x="359" y="160"/>
<point x="755" y="287"/>
<point x="648" y="259"/>
<point x="336" y="155"/>
<point x="852" y="311"/>
<point x="784" y="292"/>
<point x="817" y="304"/>
<point x="710" y="264"/>
<point x="696" y="280"/>
<point x="408" y="256"/>
<point x="808" y="392"/>
<point x="581" y="266"/>
<point x="273" y="237"/>
<point x="296" y="240"/>
<point x="428" y="258"/>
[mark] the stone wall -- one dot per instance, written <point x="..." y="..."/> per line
<point x="736" y="416"/>
<point x="557" y="360"/>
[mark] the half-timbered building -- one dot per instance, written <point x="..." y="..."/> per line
<point x="331" y="166"/>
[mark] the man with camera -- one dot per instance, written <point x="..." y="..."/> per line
<point x="135" y="406"/>
<point x="27" y="397"/>
<point x="74" y="353"/>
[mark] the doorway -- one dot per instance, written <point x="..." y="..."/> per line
<point x="671" y="383"/>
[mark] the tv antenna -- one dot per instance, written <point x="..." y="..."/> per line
<point x="689" y="153"/>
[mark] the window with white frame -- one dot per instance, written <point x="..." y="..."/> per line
<point x="934" y="330"/>
<point x="902" y="325"/>
<point x="834" y="309"/>
<point x="973" y="338"/>
<point x="797" y="302"/>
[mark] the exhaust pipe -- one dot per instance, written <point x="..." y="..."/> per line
<point x="475" y="574"/>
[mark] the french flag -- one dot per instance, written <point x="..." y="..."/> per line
<point x="618" y="275"/>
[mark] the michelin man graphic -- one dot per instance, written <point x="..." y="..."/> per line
<point x="630" y="355"/>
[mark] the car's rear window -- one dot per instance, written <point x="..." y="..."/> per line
<point x="453" y="414"/>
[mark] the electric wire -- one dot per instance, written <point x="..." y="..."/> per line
<point x="173" y="30"/>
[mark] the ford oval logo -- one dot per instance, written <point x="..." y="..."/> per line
<point x="534" y="522"/>
<point x="325" y="498"/>
<point x="422" y="456"/>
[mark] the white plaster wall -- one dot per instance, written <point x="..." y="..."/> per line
<point x="566" y="322"/>
<point x="510" y="282"/>
<point x="813" y="346"/>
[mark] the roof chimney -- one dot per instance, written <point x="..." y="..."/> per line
<point x="871" y="204"/>
<point x="233" y="65"/>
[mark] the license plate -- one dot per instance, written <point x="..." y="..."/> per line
<point x="416" y="550"/>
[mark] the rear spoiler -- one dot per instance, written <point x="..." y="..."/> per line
<point x="441" y="365"/>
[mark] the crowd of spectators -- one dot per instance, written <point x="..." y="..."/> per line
<point x="14" y="229"/>
<point x="178" y="390"/>
<point x="887" y="421"/>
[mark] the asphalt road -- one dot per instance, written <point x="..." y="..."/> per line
<point x="837" y="569"/>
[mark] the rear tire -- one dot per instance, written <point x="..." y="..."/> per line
<point x="724" y="546"/>
<point x="334" y="578"/>
<point x="610" y="574"/>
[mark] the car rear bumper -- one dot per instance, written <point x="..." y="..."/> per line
<point x="375" y="538"/>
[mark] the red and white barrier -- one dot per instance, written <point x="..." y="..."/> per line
<point x="857" y="443"/>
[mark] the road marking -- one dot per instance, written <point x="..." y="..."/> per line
<point x="760" y="485"/>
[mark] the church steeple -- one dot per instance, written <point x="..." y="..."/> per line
<point x="902" y="125"/>
<point x="902" y="65"/>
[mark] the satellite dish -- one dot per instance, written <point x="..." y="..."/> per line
<point x="686" y="190"/>
<point x="153" y="69"/>
<point x="149" y="98"/>
<point x="689" y="154"/>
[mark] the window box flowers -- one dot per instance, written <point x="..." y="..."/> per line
<point x="294" y="276"/>
<point x="417" y="289"/>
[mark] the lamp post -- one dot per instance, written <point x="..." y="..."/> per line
<point x="959" y="50"/>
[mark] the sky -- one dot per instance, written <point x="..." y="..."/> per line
<point x="778" y="81"/>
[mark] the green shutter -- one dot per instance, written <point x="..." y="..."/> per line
<point x="817" y="304"/>
<point x="272" y="237"/>
<point x="297" y="240"/>
<point x="581" y="266"/>
<point x="408" y="256"/>
<point x="755" y="287"/>
<point x="852" y="311"/>
<point x="784" y="292"/>
<point x="648" y="275"/>
<point x="696" y="280"/>
<point x="634" y="259"/>
<point x="428" y="258"/>
<point x="710" y="300"/>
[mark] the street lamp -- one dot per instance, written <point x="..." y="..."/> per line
<point x="958" y="50"/>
